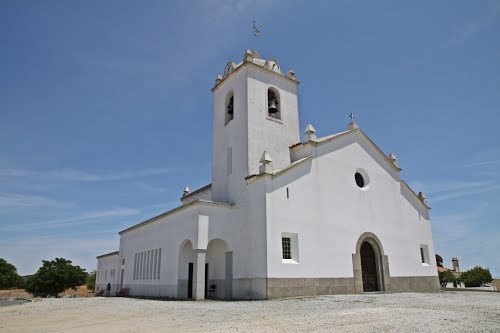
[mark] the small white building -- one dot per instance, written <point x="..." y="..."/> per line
<point x="282" y="216"/>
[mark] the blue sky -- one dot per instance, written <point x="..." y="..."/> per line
<point x="105" y="108"/>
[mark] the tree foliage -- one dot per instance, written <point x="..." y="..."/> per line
<point x="8" y="275"/>
<point x="439" y="260"/>
<point x="90" y="282"/>
<point x="54" y="277"/>
<point x="476" y="276"/>
<point x="445" y="277"/>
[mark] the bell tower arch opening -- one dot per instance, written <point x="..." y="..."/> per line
<point x="229" y="109"/>
<point x="273" y="103"/>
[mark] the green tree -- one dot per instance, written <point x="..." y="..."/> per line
<point x="90" y="282"/>
<point x="445" y="277"/>
<point x="439" y="260"/>
<point x="54" y="277"/>
<point x="476" y="276"/>
<point x="8" y="275"/>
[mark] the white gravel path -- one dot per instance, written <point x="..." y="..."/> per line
<point x="401" y="312"/>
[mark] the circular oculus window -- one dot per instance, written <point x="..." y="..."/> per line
<point x="360" y="181"/>
<point x="361" y="178"/>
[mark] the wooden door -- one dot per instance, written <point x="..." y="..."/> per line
<point x="369" y="268"/>
<point x="190" y="280"/>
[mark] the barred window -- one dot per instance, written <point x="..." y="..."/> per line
<point x="287" y="253"/>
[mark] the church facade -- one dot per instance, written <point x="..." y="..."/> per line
<point x="282" y="216"/>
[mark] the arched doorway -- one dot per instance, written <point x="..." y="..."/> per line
<point x="185" y="270"/>
<point x="369" y="268"/>
<point x="218" y="270"/>
<point x="370" y="264"/>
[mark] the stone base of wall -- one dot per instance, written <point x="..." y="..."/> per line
<point x="270" y="288"/>
<point x="413" y="283"/>
<point x="291" y="287"/>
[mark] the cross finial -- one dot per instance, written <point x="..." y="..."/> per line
<point x="256" y="30"/>
<point x="353" y="124"/>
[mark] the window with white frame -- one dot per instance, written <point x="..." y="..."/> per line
<point x="424" y="255"/>
<point x="289" y="248"/>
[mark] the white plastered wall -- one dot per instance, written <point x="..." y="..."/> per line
<point x="104" y="267"/>
<point x="329" y="212"/>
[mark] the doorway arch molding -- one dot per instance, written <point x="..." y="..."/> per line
<point x="382" y="262"/>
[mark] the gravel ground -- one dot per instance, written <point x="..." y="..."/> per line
<point x="401" y="312"/>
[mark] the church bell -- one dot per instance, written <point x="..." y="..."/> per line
<point x="230" y="106"/>
<point x="272" y="108"/>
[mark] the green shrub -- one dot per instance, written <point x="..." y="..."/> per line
<point x="8" y="276"/>
<point x="54" y="277"/>
<point x="476" y="276"/>
<point x="445" y="277"/>
<point x="90" y="282"/>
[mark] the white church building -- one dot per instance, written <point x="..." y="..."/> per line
<point x="283" y="216"/>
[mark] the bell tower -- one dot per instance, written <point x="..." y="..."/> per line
<point x="255" y="110"/>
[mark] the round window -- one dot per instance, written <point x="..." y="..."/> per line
<point x="360" y="181"/>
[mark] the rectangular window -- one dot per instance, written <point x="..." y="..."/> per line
<point x="229" y="160"/>
<point x="147" y="264"/>
<point x="151" y="264"/>
<point x="143" y="268"/>
<point x="287" y="193"/>
<point x="155" y="263"/>
<point x="141" y="275"/>
<point x="289" y="248"/>
<point x="159" y="262"/>
<point x="135" y="266"/>
<point x="286" y="247"/>
<point x="424" y="255"/>
<point x="138" y="266"/>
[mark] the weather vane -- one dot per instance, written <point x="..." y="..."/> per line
<point x="256" y="30"/>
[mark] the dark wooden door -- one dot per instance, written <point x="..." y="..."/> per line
<point x="190" y="280"/>
<point x="206" y="280"/>
<point x="369" y="268"/>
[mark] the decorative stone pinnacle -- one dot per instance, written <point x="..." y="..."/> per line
<point x="422" y="197"/>
<point x="394" y="159"/>
<point x="310" y="133"/>
<point x="291" y="74"/>
<point x="267" y="163"/>
<point x="352" y="124"/>
<point x="218" y="79"/>
<point x="266" y="158"/>
<point x="185" y="191"/>
<point x="250" y="54"/>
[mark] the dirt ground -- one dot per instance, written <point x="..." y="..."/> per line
<point x="399" y="312"/>
<point x="81" y="291"/>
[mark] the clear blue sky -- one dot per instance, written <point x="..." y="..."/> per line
<point x="105" y="108"/>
